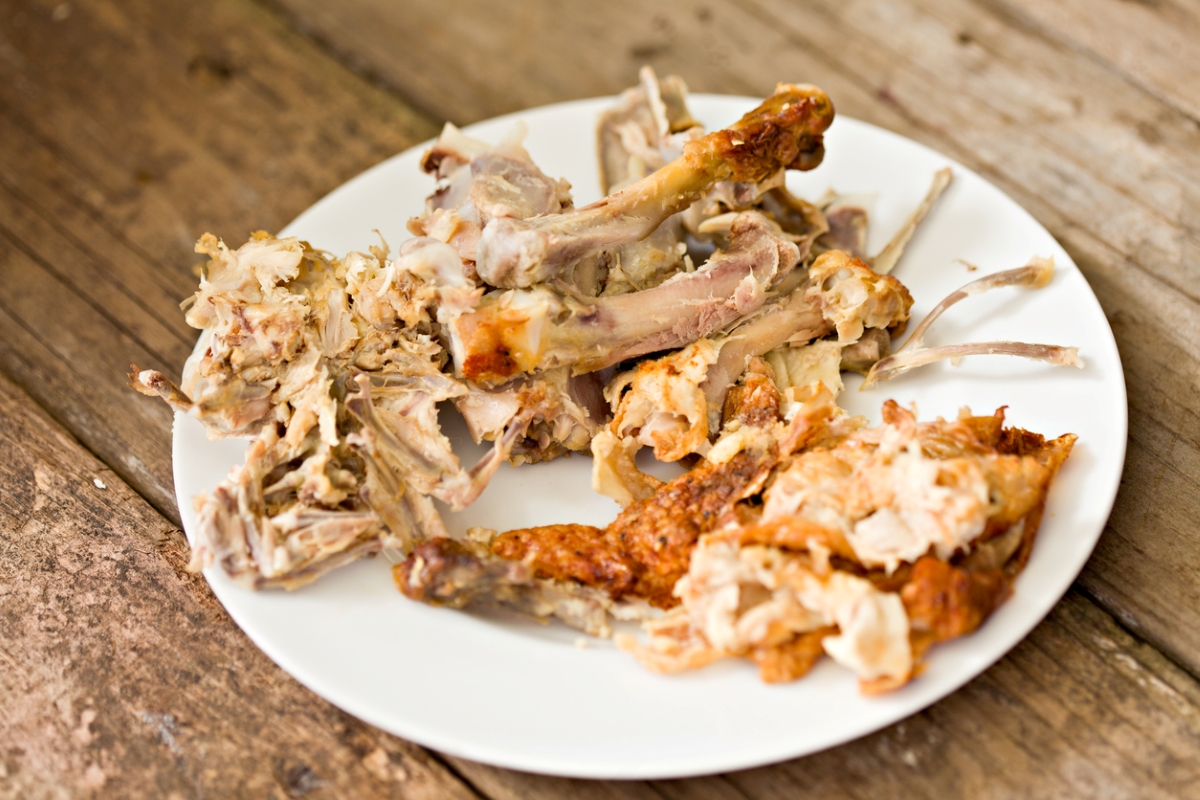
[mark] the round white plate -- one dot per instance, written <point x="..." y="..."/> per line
<point x="518" y="694"/>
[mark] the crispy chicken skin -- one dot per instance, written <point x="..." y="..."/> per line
<point x="646" y="549"/>
<point x="446" y="572"/>
<point x="874" y="542"/>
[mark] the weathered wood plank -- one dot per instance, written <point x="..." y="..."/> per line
<point x="126" y="131"/>
<point x="459" y="61"/>
<point x="1154" y="42"/>
<point x="120" y="673"/>
<point x="1112" y="170"/>
<point x="71" y="356"/>
<point x="223" y="119"/>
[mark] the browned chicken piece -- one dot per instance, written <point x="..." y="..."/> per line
<point x="519" y="331"/>
<point x="647" y="548"/>
<point x="644" y="552"/>
<point x="455" y="574"/>
<point x="944" y="601"/>
<point x="873" y="542"/>
<point x="784" y="132"/>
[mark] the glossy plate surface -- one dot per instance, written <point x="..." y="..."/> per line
<point x="517" y="694"/>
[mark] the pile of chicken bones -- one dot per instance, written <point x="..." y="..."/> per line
<point x="699" y="309"/>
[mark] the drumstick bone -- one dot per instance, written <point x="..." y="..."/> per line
<point x="785" y="132"/>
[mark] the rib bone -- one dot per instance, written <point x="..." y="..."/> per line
<point x="900" y="363"/>
<point x="1035" y="275"/>
<point x="889" y="255"/>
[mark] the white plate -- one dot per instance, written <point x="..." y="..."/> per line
<point x="522" y="695"/>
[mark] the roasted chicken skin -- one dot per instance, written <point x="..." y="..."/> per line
<point x="876" y="542"/>
<point x="645" y="551"/>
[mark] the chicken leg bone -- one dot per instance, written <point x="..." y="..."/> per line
<point x="522" y="330"/>
<point x="784" y="132"/>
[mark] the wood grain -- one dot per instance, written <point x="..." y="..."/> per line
<point x="121" y="674"/>
<point x="1113" y="171"/>
<point x="1155" y="43"/>
<point x="224" y="120"/>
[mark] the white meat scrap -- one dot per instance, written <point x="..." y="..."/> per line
<point x="738" y="598"/>
<point x="890" y="501"/>
<point x="854" y="298"/>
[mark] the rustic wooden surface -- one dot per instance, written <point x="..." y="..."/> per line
<point x="129" y="128"/>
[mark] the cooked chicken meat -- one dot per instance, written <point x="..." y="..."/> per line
<point x="798" y="531"/>
<point x="565" y="412"/>
<point x="645" y="130"/>
<point x="455" y="574"/>
<point x="332" y="366"/>
<point x="478" y="182"/>
<point x="522" y="330"/>
<point x="784" y="132"/>
<point x="866" y="541"/>
<point x="646" y="549"/>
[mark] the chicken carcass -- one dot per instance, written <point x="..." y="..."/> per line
<point x="331" y="365"/>
<point x="784" y="132"/>
<point x="522" y="330"/>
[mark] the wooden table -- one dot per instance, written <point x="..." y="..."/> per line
<point x="129" y="128"/>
